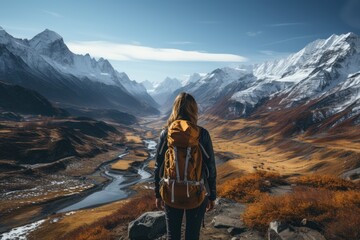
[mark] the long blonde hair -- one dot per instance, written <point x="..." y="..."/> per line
<point x="185" y="108"/>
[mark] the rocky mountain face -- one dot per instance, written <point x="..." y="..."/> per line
<point x="45" y="64"/>
<point x="16" y="99"/>
<point x="210" y="88"/>
<point x="318" y="83"/>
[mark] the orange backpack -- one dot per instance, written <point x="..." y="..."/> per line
<point x="182" y="183"/>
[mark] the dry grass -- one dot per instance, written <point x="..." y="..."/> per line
<point x="151" y="164"/>
<point x="329" y="182"/>
<point x="258" y="147"/>
<point x="71" y="222"/>
<point x="133" y="138"/>
<point x="345" y="226"/>
<point x="322" y="206"/>
<point x="103" y="227"/>
<point x="251" y="187"/>
<point x="331" y="203"/>
<point x="137" y="155"/>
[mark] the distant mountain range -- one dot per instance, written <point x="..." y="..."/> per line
<point x="45" y="64"/>
<point x="320" y="83"/>
<point x="163" y="90"/>
<point x="317" y="87"/>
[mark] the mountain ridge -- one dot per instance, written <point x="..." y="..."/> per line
<point x="62" y="76"/>
<point x="325" y="72"/>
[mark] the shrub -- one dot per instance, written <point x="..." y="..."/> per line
<point x="322" y="206"/>
<point x="97" y="232"/>
<point x="251" y="187"/>
<point x="345" y="226"/>
<point x="325" y="181"/>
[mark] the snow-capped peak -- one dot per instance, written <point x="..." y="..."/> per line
<point x="47" y="36"/>
<point x="193" y="78"/>
<point x="322" y="52"/>
<point x="44" y="39"/>
<point x="168" y="84"/>
<point x="5" y="38"/>
<point x="224" y="76"/>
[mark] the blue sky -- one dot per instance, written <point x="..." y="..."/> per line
<point x="152" y="39"/>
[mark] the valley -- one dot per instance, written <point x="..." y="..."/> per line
<point x="33" y="191"/>
<point x="241" y="146"/>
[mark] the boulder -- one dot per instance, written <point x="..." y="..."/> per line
<point x="249" y="235"/>
<point x="149" y="225"/>
<point x="223" y="221"/>
<point x="227" y="215"/>
<point x="283" y="231"/>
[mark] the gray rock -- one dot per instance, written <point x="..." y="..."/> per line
<point x="235" y="231"/>
<point x="229" y="208"/>
<point x="227" y="215"/>
<point x="249" y="235"/>
<point x="148" y="226"/>
<point x="223" y="221"/>
<point x="224" y="200"/>
<point x="280" y="231"/>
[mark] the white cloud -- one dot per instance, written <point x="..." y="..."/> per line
<point x="127" y="52"/>
<point x="286" y="24"/>
<point x="181" y="42"/>
<point x="268" y="52"/>
<point x="54" y="14"/>
<point x="253" y="34"/>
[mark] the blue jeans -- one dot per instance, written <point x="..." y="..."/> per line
<point x="194" y="218"/>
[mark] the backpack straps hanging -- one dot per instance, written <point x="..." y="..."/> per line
<point x="176" y="164"/>
<point x="188" y="155"/>
<point x="188" y="152"/>
<point x="204" y="151"/>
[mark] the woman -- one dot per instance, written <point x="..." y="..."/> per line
<point x="185" y="109"/>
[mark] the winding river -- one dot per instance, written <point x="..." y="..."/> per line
<point x="118" y="188"/>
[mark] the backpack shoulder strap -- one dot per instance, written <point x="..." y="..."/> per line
<point x="204" y="151"/>
<point x="200" y="144"/>
<point x="164" y="135"/>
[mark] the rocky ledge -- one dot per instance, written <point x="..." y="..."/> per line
<point x="223" y="223"/>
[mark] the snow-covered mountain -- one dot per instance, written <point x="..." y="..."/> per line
<point x="322" y="78"/>
<point x="319" y="69"/>
<point x="193" y="78"/>
<point x="44" y="63"/>
<point x="164" y="89"/>
<point x="210" y="88"/>
<point x="148" y="85"/>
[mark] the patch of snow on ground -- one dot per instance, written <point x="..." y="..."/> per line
<point x="70" y="213"/>
<point x="20" y="233"/>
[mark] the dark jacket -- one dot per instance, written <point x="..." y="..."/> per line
<point x="205" y="141"/>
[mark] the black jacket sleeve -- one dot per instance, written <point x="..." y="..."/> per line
<point x="205" y="140"/>
<point x="159" y="159"/>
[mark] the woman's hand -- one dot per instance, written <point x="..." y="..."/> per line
<point x="159" y="203"/>
<point x="210" y="205"/>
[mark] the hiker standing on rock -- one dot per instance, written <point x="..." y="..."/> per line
<point x="185" y="171"/>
